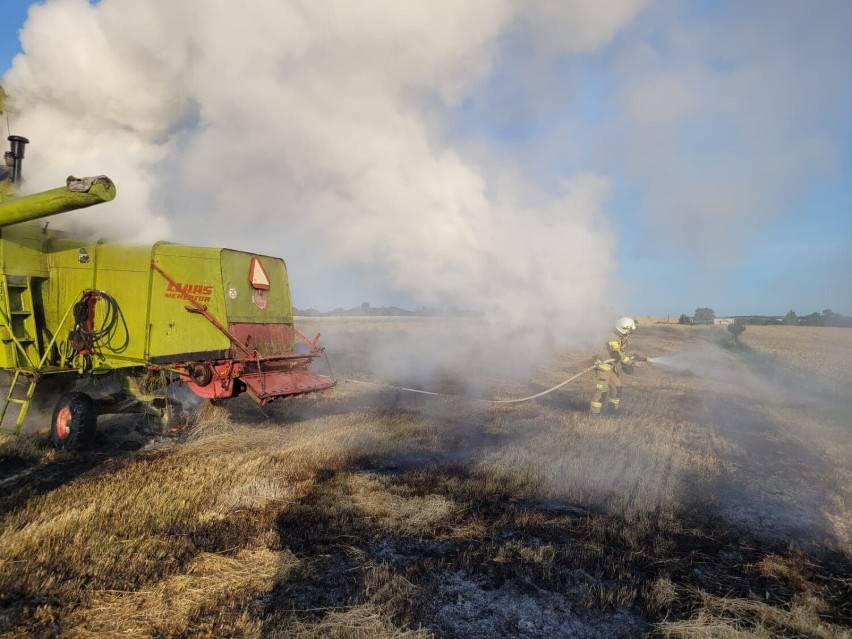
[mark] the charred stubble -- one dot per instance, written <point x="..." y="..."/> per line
<point x="377" y="514"/>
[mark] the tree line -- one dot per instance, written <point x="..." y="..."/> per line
<point x="826" y="318"/>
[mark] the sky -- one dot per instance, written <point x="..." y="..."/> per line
<point x="533" y="160"/>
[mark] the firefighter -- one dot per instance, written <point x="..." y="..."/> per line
<point x="608" y="374"/>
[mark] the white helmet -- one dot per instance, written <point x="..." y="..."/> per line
<point x="624" y="326"/>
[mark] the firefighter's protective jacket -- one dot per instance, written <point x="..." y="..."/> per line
<point x="622" y="361"/>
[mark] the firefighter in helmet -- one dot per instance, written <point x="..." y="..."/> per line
<point x="608" y="373"/>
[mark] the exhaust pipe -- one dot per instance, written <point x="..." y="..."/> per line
<point x="14" y="158"/>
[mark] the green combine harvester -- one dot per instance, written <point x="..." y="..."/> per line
<point x="130" y="328"/>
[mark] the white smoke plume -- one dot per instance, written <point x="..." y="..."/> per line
<point x="313" y="131"/>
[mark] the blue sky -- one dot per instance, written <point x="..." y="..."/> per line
<point x="794" y="255"/>
<point x="14" y="14"/>
<point x="561" y="114"/>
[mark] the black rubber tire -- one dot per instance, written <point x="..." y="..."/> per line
<point x="74" y="421"/>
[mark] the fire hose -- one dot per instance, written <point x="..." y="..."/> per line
<point x="477" y="399"/>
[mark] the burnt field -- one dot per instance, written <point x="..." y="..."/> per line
<point x="717" y="504"/>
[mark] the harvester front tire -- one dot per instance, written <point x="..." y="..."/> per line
<point x="74" y="421"/>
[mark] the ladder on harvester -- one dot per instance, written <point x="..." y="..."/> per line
<point x="22" y="402"/>
<point x="19" y="334"/>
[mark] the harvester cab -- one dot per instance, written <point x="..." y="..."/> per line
<point x="121" y="325"/>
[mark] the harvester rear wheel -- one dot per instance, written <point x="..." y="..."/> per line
<point x="74" y="421"/>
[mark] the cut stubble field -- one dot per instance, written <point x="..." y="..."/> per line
<point x="718" y="504"/>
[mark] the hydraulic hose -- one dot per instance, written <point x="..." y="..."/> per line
<point x="104" y="336"/>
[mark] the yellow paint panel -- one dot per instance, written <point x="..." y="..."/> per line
<point x="174" y="330"/>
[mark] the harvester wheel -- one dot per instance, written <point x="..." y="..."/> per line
<point x="74" y="421"/>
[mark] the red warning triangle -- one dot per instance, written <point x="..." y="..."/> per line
<point x="257" y="274"/>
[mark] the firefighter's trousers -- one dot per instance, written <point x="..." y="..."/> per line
<point x="607" y="388"/>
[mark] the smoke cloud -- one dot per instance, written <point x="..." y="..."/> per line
<point x="754" y="96"/>
<point x="314" y="131"/>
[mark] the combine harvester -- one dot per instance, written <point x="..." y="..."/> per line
<point x="138" y="321"/>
